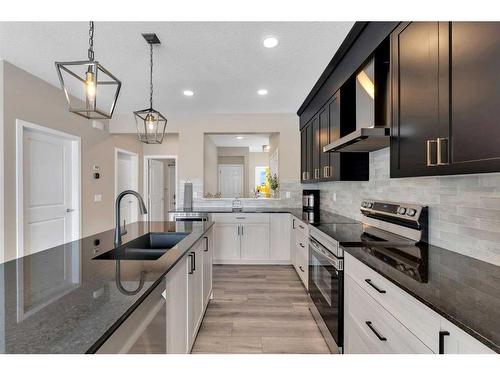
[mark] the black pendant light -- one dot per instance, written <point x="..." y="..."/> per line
<point x="90" y="80"/>
<point x="151" y="124"/>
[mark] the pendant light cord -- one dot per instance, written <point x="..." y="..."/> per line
<point x="151" y="77"/>
<point x="91" y="41"/>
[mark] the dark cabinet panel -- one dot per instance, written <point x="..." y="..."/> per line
<point x="315" y="149"/>
<point x="324" y="139"/>
<point x="446" y="116"/>
<point x="310" y="151"/>
<point x="415" y="58"/>
<point x="475" y="92"/>
<point x="303" y="155"/>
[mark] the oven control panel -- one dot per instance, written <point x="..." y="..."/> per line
<point x="406" y="211"/>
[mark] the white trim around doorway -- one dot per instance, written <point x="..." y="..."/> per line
<point x="146" y="179"/>
<point x="135" y="172"/>
<point x="21" y="126"/>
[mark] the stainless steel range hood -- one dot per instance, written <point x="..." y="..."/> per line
<point x="361" y="140"/>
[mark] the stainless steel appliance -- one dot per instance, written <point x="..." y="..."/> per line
<point x="390" y="231"/>
<point x="188" y="216"/>
<point x="310" y="206"/>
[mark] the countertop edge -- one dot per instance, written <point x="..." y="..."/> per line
<point x="484" y="340"/>
<point x="109" y="332"/>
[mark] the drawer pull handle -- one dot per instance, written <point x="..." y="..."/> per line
<point x="369" y="282"/>
<point x="442" y="335"/>
<point x="301" y="269"/>
<point x="301" y="245"/>
<point x="379" y="336"/>
<point x="301" y="227"/>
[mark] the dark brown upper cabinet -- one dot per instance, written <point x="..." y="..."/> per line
<point x="445" y="98"/>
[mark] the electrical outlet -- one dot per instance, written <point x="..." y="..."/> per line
<point x="287" y="194"/>
<point x="98" y="198"/>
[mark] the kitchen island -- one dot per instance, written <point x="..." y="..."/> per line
<point x="62" y="300"/>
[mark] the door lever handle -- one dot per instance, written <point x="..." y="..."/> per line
<point x="70" y="209"/>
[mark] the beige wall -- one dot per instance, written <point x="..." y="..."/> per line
<point x="210" y="171"/>
<point x="30" y="99"/>
<point x="191" y="130"/>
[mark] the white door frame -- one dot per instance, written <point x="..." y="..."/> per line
<point x="146" y="179"/>
<point x="135" y="174"/>
<point x="21" y="126"/>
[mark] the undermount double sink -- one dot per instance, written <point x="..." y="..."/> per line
<point x="150" y="246"/>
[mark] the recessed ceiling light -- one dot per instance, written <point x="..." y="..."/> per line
<point x="262" y="92"/>
<point x="270" y="42"/>
<point x="188" y="93"/>
<point x="239" y="137"/>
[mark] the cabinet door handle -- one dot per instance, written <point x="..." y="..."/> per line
<point x="194" y="261"/>
<point x="439" y="141"/>
<point x="301" y="227"/>
<point x="190" y="263"/>
<point x="442" y="335"/>
<point x="316" y="173"/>
<point x="242" y="230"/>
<point x="430" y="142"/>
<point x="238" y="230"/>
<point x="307" y="175"/>
<point x="293" y="223"/>
<point x="330" y="171"/>
<point x="379" y="336"/>
<point x="369" y="282"/>
<point x="206" y="244"/>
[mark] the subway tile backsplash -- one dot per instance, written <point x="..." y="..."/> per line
<point x="464" y="211"/>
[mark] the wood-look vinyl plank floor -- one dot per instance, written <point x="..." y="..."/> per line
<point x="258" y="309"/>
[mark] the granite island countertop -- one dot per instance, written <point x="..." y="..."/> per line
<point x="61" y="300"/>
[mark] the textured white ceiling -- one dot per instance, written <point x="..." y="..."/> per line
<point x="224" y="63"/>
<point x="254" y="142"/>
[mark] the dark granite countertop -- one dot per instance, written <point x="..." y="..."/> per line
<point x="326" y="217"/>
<point x="61" y="300"/>
<point x="464" y="290"/>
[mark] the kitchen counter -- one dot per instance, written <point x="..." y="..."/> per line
<point x="464" y="290"/>
<point x="326" y="217"/>
<point x="61" y="300"/>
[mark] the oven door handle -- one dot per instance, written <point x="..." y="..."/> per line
<point x="338" y="264"/>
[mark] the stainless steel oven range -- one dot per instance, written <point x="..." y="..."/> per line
<point x="389" y="231"/>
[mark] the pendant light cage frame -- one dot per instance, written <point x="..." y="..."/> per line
<point x="104" y="82"/>
<point x="151" y="124"/>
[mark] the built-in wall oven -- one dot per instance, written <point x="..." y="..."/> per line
<point x="326" y="288"/>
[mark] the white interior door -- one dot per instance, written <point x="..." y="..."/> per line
<point x="126" y="179"/>
<point x="156" y="192"/>
<point x="48" y="202"/>
<point x="231" y="180"/>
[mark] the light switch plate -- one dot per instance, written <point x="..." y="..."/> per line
<point x="98" y="198"/>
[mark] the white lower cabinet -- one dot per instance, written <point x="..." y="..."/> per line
<point x="242" y="238"/>
<point x="379" y="317"/>
<point x="195" y="291"/>
<point x="227" y="242"/>
<point x="372" y="329"/>
<point x="255" y="241"/>
<point x="188" y="290"/>
<point x="300" y="250"/>
<point x="279" y="237"/>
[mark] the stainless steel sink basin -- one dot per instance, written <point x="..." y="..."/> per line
<point x="150" y="246"/>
